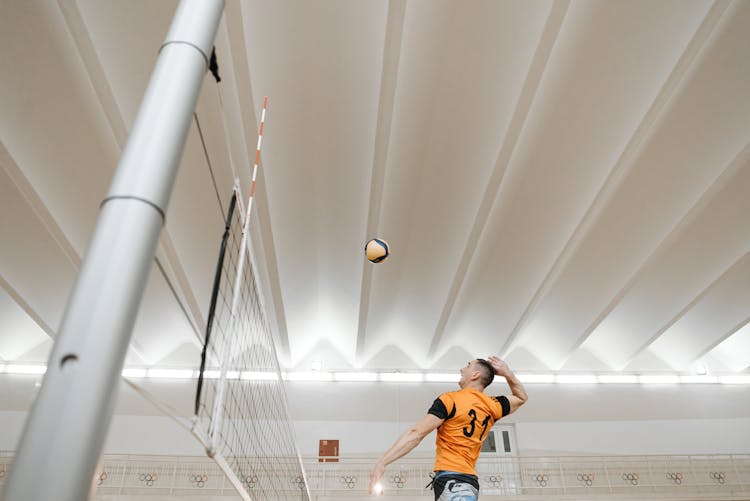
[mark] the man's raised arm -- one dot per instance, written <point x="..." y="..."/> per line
<point x="519" y="395"/>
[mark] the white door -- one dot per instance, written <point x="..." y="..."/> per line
<point x="497" y="467"/>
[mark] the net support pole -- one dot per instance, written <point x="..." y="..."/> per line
<point x="64" y="434"/>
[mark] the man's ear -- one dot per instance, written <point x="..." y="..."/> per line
<point x="476" y="375"/>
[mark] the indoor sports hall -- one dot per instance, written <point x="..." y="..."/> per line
<point x="245" y="245"/>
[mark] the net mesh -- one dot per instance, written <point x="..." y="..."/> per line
<point x="241" y="410"/>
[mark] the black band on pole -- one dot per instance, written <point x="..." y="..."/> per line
<point x="213" y="65"/>
<point x="214" y="295"/>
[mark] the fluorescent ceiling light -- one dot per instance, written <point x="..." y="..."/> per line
<point x="437" y="377"/>
<point x="659" y="379"/>
<point x="576" y="378"/>
<point x="259" y="376"/>
<point x="25" y="369"/>
<point x="134" y="372"/>
<point x="170" y="373"/>
<point x="307" y="376"/>
<point x="699" y="379"/>
<point x="536" y="378"/>
<point x="355" y="376"/>
<point x="398" y="377"/>
<point x="402" y="377"/>
<point x="618" y="378"/>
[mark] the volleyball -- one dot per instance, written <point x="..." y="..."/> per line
<point x="377" y="250"/>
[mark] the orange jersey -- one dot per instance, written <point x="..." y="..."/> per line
<point x="469" y="414"/>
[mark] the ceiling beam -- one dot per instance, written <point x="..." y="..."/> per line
<point x="520" y="114"/>
<point x="729" y="272"/>
<point x="721" y="339"/>
<point x="26" y="307"/>
<point x="617" y="174"/>
<point x="27" y="191"/>
<point x="741" y="161"/>
<point x="388" y="81"/>
<point x="32" y="198"/>
<point x="94" y="70"/>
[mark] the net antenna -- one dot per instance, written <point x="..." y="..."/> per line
<point x="241" y="410"/>
<point x="214" y="431"/>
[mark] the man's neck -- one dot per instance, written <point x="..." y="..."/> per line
<point x="473" y="386"/>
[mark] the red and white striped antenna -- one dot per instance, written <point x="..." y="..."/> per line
<point x="257" y="159"/>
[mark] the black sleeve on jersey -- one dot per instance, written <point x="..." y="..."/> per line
<point x="504" y="403"/>
<point x="438" y="410"/>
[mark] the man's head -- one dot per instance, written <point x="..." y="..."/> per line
<point x="477" y="372"/>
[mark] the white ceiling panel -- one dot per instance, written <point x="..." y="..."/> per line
<point x="323" y="79"/>
<point x="688" y="141"/>
<point x="567" y="151"/>
<point x="126" y="44"/>
<point x="718" y="313"/>
<point x="734" y="351"/>
<point x="35" y="271"/>
<point x="55" y="132"/>
<point x="19" y="333"/>
<point x="441" y="159"/>
<point x="706" y="242"/>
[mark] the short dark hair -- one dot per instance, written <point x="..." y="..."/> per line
<point x="488" y="372"/>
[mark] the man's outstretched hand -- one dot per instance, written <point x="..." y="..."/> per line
<point x="375" y="476"/>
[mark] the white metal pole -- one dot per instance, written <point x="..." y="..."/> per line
<point x="65" y="432"/>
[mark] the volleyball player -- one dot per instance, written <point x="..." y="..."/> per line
<point x="462" y="419"/>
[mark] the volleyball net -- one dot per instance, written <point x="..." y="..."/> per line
<point x="241" y="413"/>
<point x="241" y="410"/>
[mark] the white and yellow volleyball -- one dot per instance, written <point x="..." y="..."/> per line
<point x="377" y="250"/>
